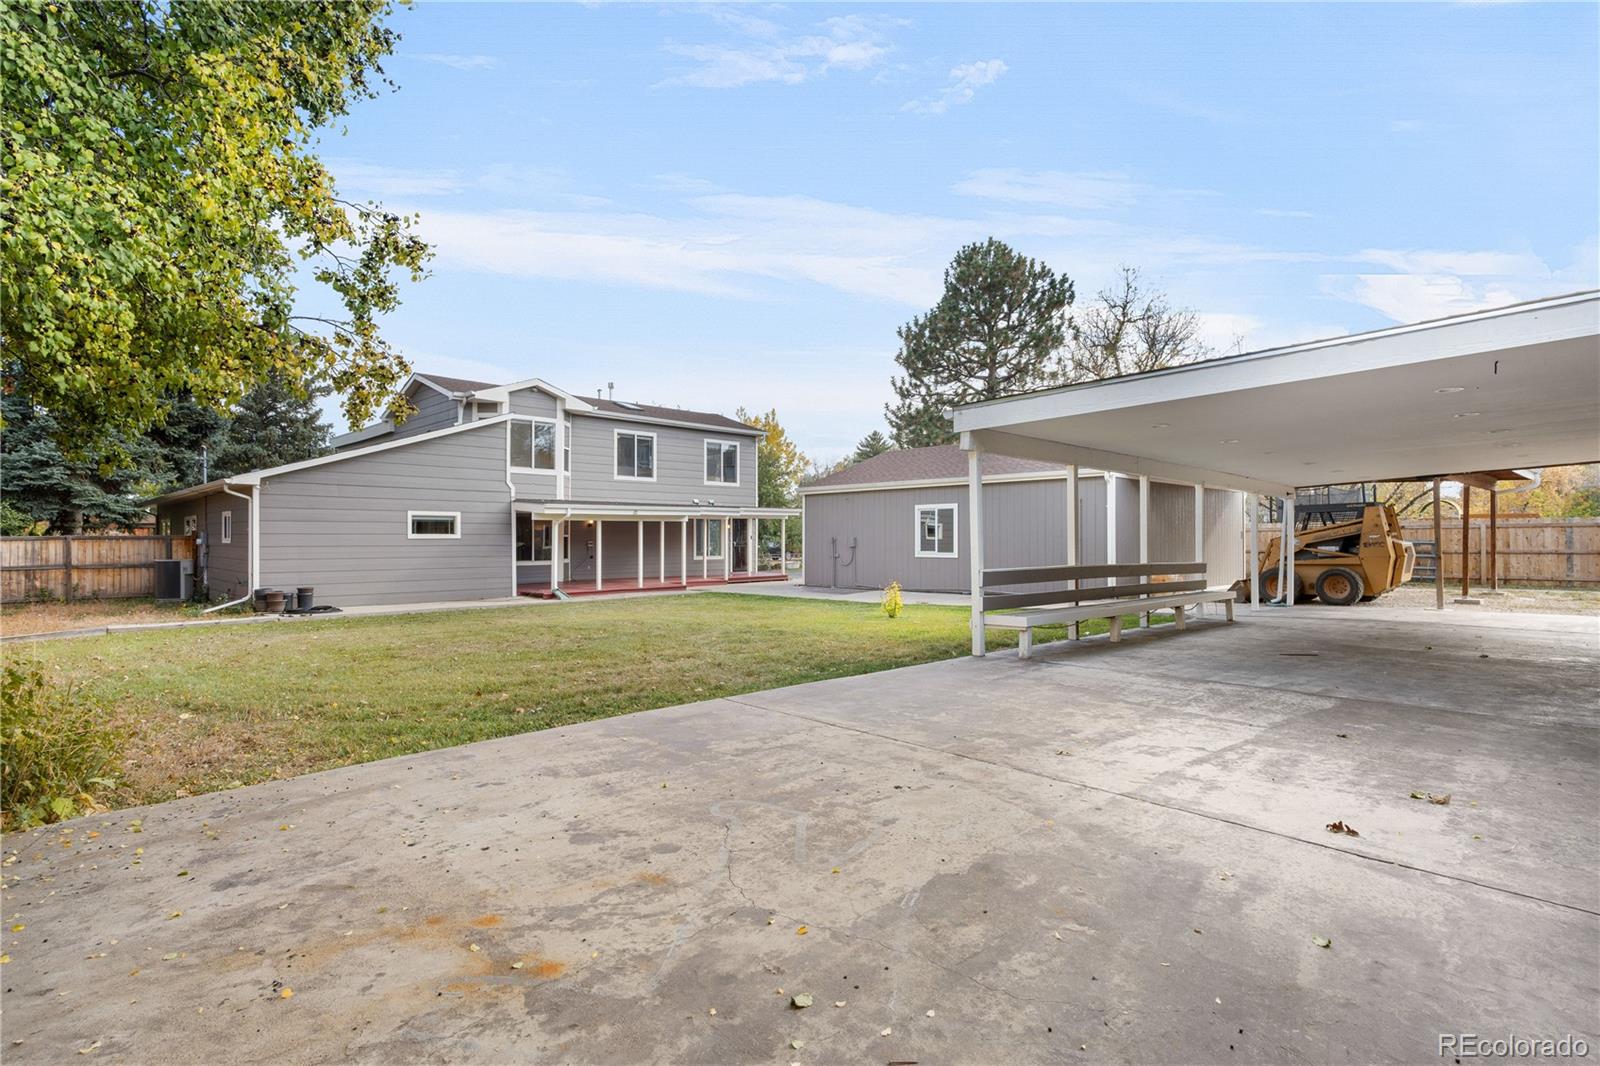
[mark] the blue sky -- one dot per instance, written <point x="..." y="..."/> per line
<point x="714" y="206"/>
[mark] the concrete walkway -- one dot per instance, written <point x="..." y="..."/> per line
<point x="1110" y="854"/>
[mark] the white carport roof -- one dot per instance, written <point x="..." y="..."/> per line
<point x="1517" y="386"/>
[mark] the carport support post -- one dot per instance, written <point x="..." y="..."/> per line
<point x="1072" y="533"/>
<point x="1289" y="580"/>
<point x="1200" y="534"/>
<point x="1111" y="522"/>
<point x="1144" y="535"/>
<point x="1438" y="551"/>
<point x="1466" y="539"/>
<point x="1254" y="553"/>
<point x="1494" y="564"/>
<point x="975" y="531"/>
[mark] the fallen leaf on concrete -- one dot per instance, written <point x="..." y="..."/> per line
<point x="886" y="1032"/>
<point x="930" y="1014"/>
<point x="169" y="956"/>
<point x="19" y="927"/>
<point x="473" y="947"/>
<point x="91" y="1047"/>
<point x="516" y="966"/>
<point x="1342" y="736"/>
<point x="1418" y="795"/>
<point x="712" y="1011"/>
<point x="797" y="1044"/>
<point x="802" y="931"/>
<point x="838" y="1003"/>
<point x="1440" y="801"/>
<point x="174" y="914"/>
<point x="1340" y="827"/>
<point x="287" y="993"/>
<point x="800" y="1001"/>
<point x="1322" y="942"/>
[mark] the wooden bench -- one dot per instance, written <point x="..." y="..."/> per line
<point x="1004" y="591"/>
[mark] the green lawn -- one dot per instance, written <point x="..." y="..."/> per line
<point x="213" y="707"/>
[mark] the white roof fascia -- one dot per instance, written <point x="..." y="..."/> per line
<point x="992" y="440"/>
<point x="502" y="393"/>
<point x="356" y="436"/>
<point x="1541" y="321"/>
<point x="942" y="482"/>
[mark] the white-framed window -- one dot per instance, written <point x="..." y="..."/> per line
<point x="534" y="539"/>
<point x="722" y="462"/>
<point x="191" y="524"/>
<point x="936" y="531"/>
<point x="533" y="444"/>
<point x="635" y="455"/>
<point x="708" y="534"/>
<point x="566" y="445"/>
<point x="227" y="527"/>
<point x="433" y="525"/>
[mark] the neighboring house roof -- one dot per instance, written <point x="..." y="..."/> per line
<point x="455" y="385"/>
<point x="944" y="462"/>
<point x="668" y="414"/>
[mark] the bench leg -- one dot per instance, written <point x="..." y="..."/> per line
<point x="1116" y="629"/>
<point x="1228" y="606"/>
<point x="1177" y="616"/>
<point x="1025" y="644"/>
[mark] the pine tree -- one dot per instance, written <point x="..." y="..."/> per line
<point x="98" y="487"/>
<point x="275" y="423"/>
<point x="874" y="443"/>
<point x="998" y="330"/>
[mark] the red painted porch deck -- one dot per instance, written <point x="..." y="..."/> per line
<point x="583" y="587"/>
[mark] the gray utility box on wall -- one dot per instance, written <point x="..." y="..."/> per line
<point x="174" y="580"/>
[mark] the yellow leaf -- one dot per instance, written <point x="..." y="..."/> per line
<point x="287" y="993"/>
<point x="802" y="931"/>
<point x="19" y="927"/>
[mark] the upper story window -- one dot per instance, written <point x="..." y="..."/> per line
<point x="636" y="455"/>
<point x="722" y="462"/>
<point x="566" y="445"/>
<point x="533" y="444"/>
<point x="936" y="531"/>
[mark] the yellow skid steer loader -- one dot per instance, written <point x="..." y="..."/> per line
<point x="1344" y="562"/>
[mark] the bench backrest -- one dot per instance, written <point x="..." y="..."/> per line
<point x="1006" y="587"/>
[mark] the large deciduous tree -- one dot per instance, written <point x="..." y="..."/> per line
<point x="1131" y="329"/>
<point x="161" y="203"/>
<point x="779" y="462"/>
<point x="998" y="329"/>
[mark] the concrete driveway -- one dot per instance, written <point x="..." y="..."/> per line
<point x="1105" y="854"/>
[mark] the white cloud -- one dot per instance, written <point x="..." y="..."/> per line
<point x="1465" y="263"/>
<point x="767" y="54"/>
<point x="1278" y="212"/>
<point x="377" y="180"/>
<point x="456" y="60"/>
<point x="1419" y="297"/>
<point x="1063" y="189"/>
<point x="965" y="81"/>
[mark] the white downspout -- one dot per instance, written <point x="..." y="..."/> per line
<point x="254" y="549"/>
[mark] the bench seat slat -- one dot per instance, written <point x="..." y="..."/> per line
<point x="1000" y="601"/>
<point x="1104" y="609"/>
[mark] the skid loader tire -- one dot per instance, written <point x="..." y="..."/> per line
<point x="1339" y="587"/>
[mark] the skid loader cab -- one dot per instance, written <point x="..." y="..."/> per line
<point x="1343" y="562"/>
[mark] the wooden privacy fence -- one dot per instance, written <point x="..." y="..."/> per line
<point x="1555" y="552"/>
<point x="83" y="567"/>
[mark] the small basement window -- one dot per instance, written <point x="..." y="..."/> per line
<point x="227" y="527"/>
<point x="936" y="531"/>
<point x="433" y="525"/>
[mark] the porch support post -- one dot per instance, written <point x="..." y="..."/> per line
<point x="783" y="547"/>
<point x="1466" y="539"/>
<point x="1144" y="535"/>
<point x="599" y="553"/>
<point x="640" y="546"/>
<point x="975" y="527"/>
<point x="555" y="554"/>
<point x="1254" y="550"/>
<point x="683" y="550"/>
<point x="751" y="540"/>
<point x="1494" y="563"/>
<point x="1438" y="551"/>
<point x="702" y="541"/>
<point x="661" y="549"/>
<point x="727" y="548"/>
<point x="1072" y="534"/>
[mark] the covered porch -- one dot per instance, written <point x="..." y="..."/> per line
<point x="572" y="549"/>
<point x="1514" y="387"/>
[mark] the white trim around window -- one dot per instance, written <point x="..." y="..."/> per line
<point x="702" y="534"/>
<point x="227" y="527"/>
<point x="655" y="455"/>
<point x="436" y="518"/>
<point x="945" y="518"/>
<point x="534" y="425"/>
<point x="722" y="461"/>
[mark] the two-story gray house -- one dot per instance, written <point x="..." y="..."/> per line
<point x="489" y="491"/>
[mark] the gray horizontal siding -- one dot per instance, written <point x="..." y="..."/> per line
<point x="680" y="465"/>
<point x="433" y="411"/>
<point x="342" y="527"/>
<point x="223" y="568"/>
<point x="533" y="402"/>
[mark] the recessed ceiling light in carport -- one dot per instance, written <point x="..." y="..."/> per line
<point x="1450" y="388"/>
<point x="1466" y="414"/>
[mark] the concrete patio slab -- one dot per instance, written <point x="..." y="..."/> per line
<point x="1102" y="854"/>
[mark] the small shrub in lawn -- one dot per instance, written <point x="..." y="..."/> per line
<point x="56" y="750"/>
<point x="892" y="603"/>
